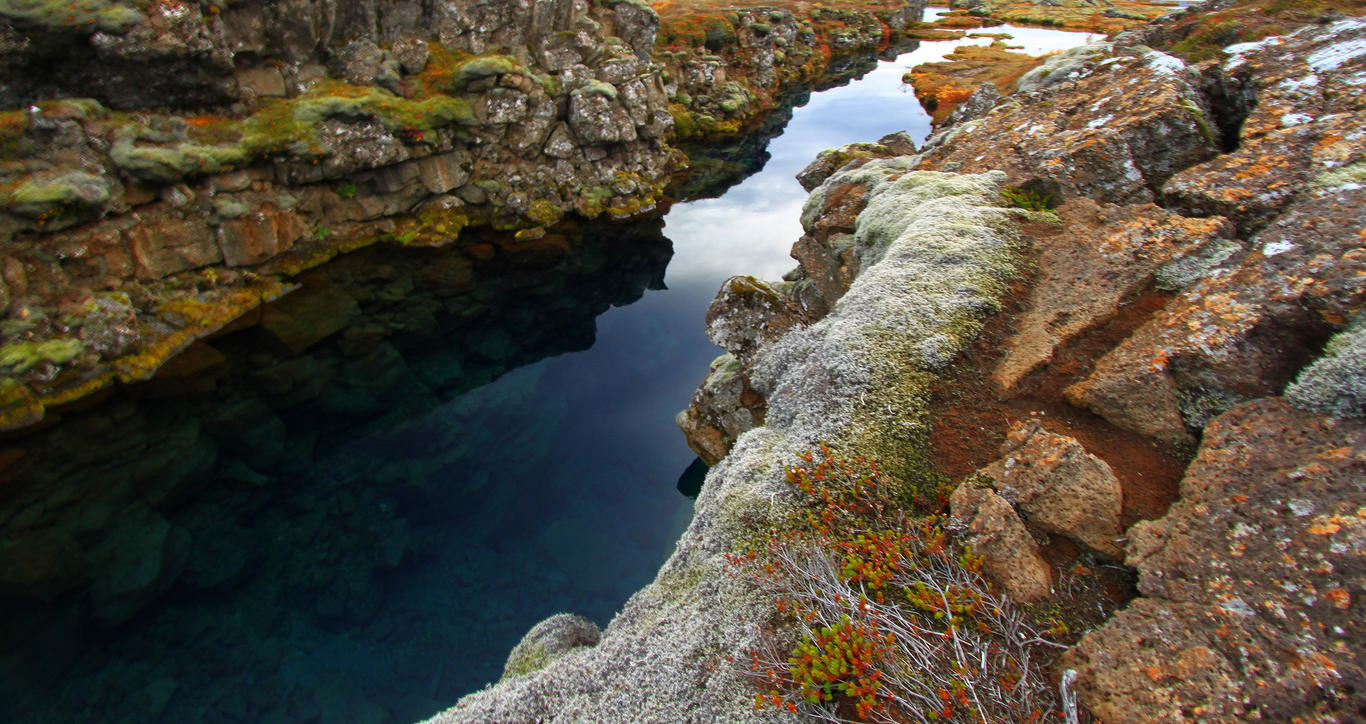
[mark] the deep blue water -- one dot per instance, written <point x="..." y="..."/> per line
<point x="372" y="550"/>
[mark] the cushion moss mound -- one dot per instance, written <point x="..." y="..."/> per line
<point x="935" y="254"/>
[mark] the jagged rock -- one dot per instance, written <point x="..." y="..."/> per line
<point x="412" y="54"/>
<point x="1245" y="330"/>
<point x="831" y="160"/>
<point x="1100" y="259"/>
<point x="982" y="100"/>
<point x="748" y="313"/>
<point x="722" y="409"/>
<point x="1060" y="487"/>
<point x="1114" y="135"/>
<point x="1251" y="583"/>
<point x="443" y="172"/>
<point x="596" y="117"/>
<point x="549" y="640"/>
<point x="990" y="527"/>
<point x="1295" y="104"/>
<point x="261" y="82"/>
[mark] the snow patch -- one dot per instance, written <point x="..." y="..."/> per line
<point x="1277" y="247"/>
<point x="1295" y="119"/>
<point x="1097" y="123"/>
<point x="1334" y="56"/>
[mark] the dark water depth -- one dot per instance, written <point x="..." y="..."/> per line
<point x="351" y="511"/>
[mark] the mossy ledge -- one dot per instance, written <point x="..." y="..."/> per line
<point x="938" y="251"/>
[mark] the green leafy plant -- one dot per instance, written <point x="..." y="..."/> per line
<point x="346" y="190"/>
<point x="1027" y="198"/>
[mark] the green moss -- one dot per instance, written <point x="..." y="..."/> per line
<point x="597" y="88"/>
<point x="44" y="194"/>
<point x="486" y="66"/>
<point x="82" y="15"/>
<point x="544" y="212"/>
<point x="1351" y="174"/>
<point x="167" y="164"/>
<point x="23" y="356"/>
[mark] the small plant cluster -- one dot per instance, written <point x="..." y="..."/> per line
<point x="1021" y="197"/>
<point x="892" y="622"/>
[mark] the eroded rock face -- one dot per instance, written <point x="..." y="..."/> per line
<point x="1252" y="582"/>
<point x="1108" y="255"/>
<point x="1296" y="102"/>
<point x="1060" y="487"/>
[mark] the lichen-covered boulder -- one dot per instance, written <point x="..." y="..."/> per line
<point x="1060" y="487"/>
<point x="722" y="409"/>
<point x="990" y="528"/>
<point x="1252" y="583"/>
<point x="748" y="313"/>
<point x="1114" y="123"/>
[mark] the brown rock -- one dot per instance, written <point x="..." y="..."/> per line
<point x="722" y="409"/>
<point x="1060" y="487"/>
<point x="164" y="244"/>
<point x="262" y="81"/>
<point x="1245" y="329"/>
<point x="1252" y="583"/>
<point x="990" y="528"/>
<point x="1104" y="255"/>
<point x="260" y="236"/>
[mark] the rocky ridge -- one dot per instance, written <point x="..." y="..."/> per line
<point x="175" y="164"/>
<point x="1194" y="234"/>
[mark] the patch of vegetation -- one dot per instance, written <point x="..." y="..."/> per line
<point x="1028" y="198"/>
<point x="891" y="621"/>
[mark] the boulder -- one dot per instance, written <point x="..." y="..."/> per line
<point x="723" y="408"/>
<point x="748" y="313"/>
<point x="1060" y="487"/>
<point x="991" y="528"/>
<point x="549" y="640"/>
<point x="135" y="563"/>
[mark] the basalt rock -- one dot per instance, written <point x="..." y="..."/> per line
<point x="1251" y="583"/>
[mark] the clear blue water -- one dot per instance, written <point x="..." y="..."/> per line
<point x="370" y="547"/>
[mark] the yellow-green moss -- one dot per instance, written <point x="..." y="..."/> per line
<point x="20" y="357"/>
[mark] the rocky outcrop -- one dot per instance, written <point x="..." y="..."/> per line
<point x="1251" y="583"/>
<point x="676" y="651"/>
<point x="1107" y="16"/>
<point x="190" y="157"/>
<point x="1185" y="272"/>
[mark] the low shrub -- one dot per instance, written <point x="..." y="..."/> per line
<point x="882" y="618"/>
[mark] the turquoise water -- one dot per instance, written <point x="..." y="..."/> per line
<point x="361" y="531"/>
